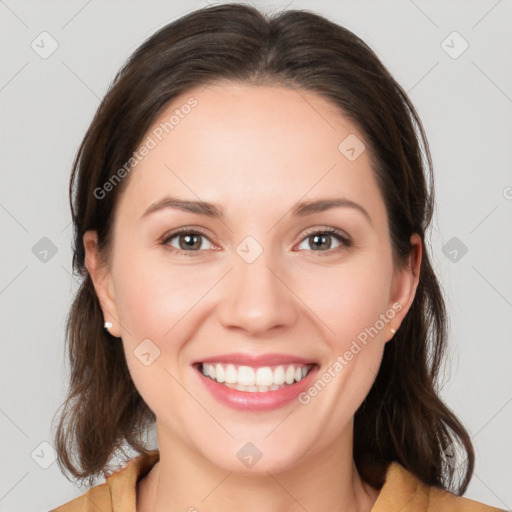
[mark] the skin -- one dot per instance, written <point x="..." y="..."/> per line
<point x="255" y="151"/>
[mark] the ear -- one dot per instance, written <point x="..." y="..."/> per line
<point x="102" y="280"/>
<point x="405" y="282"/>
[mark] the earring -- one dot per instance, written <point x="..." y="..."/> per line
<point x="393" y="331"/>
<point x="108" y="325"/>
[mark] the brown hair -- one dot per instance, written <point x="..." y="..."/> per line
<point x="402" y="418"/>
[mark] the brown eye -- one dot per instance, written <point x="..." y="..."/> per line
<point x="186" y="241"/>
<point x="322" y="241"/>
<point x="190" y="241"/>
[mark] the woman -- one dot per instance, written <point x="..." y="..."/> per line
<point x="250" y="205"/>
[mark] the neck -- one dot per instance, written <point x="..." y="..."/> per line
<point x="182" y="480"/>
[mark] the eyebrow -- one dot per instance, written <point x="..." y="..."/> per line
<point x="301" y="209"/>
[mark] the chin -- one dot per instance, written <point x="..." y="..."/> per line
<point x="255" y="458"/>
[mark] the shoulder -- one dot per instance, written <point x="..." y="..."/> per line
<point x="118" y="492"/>
<point x="97" y="498"/>
<point x="404" y="491"/>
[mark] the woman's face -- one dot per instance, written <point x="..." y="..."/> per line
<point x="253" y="284"/>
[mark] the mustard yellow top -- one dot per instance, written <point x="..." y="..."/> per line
<point x="402" y="491"/>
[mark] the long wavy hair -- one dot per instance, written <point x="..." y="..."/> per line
<point x="402" y="418"/>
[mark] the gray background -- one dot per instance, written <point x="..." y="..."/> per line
<point x="465" y="102"/>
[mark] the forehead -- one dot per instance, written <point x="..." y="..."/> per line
<point x="242" y="145"/>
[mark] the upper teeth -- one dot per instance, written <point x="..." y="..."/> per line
<point x="262" y="376"/>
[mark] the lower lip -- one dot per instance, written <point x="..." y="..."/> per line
<point x="257" y="401"/>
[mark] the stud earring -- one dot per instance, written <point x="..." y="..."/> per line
<point x="108" y="325"/>
<point x="393" y="331"/>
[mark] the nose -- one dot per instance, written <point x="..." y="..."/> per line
<point x="257" y="298"/>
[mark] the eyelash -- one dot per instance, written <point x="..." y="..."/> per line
<point x="338" y="235"/>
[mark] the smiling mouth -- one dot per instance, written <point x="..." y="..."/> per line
<point x="255" y="380"/>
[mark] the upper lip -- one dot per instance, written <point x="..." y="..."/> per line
<point x="256" y="361"/>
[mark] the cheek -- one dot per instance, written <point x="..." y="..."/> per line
<point x="352" y="307"/>
<point x="348" y="300"/>
<point x="157" y="302"/>
<point x="153" y="298"/>
<point x="351" y="303"/>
